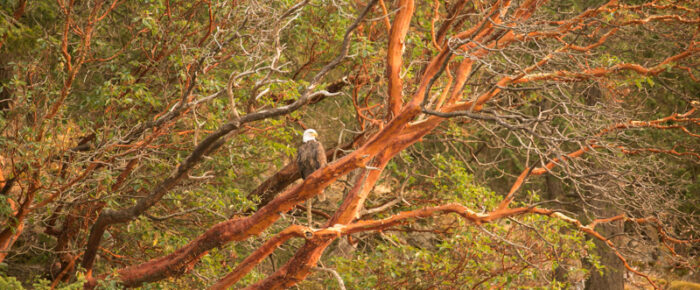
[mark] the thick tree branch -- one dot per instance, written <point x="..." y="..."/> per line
<point x="394" y="59"/>
<point x="224" y="232"/>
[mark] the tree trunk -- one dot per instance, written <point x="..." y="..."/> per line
<point x="613" y="273"/>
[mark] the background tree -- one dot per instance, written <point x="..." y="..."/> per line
<point x="143" y="141"/>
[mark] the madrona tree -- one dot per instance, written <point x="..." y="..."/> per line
<point x="469" y="143"/>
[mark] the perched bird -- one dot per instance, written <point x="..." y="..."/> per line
<point x="310" y="157"/>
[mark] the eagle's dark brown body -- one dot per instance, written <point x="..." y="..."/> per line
<point x="310" y="157"/>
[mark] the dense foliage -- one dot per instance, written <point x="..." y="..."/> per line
<point x="471" y="144"/>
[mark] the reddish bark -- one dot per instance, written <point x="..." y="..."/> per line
<point x="14" y="227"/>
<point x="261" y="253"/>
<point x="400" y="131"/>
<point x="394" y="59"/>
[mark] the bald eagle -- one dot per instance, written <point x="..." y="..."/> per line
<point x="311" y="156"/>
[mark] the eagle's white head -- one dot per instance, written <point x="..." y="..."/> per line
<point x="309" y="134"/>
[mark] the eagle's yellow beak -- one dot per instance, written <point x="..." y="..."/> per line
<point x="315" y="134"/>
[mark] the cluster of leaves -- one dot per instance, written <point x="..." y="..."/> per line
<point x="448" y="252"/>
